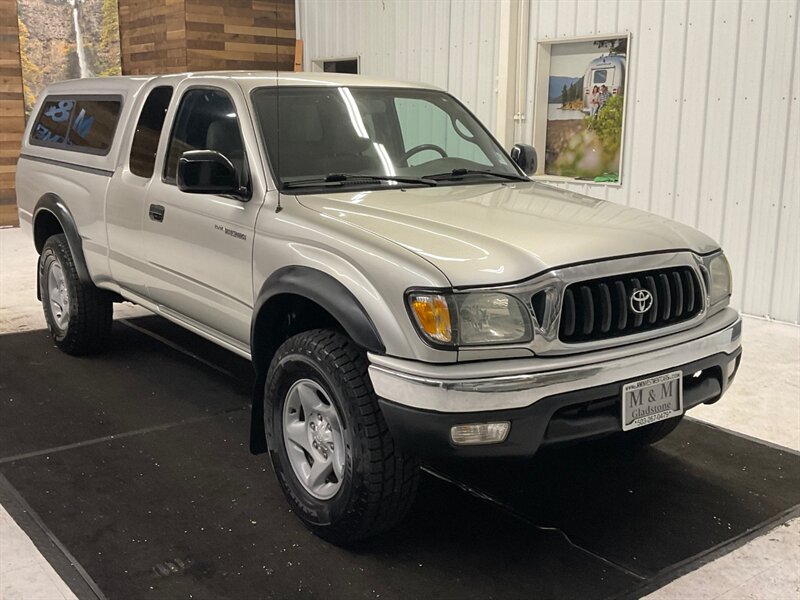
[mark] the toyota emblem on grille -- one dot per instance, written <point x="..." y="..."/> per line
<point x="641" y="301"/>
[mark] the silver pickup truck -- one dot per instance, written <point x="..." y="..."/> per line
<point x="402" y="287"/>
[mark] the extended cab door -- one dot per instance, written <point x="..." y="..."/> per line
<point x="199" y="246"/>
<point x="127" y="192"/>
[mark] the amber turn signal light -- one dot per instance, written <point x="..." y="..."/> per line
<point x="432" y="315"/>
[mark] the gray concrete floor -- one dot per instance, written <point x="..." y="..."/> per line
<point x="763" y="403"/>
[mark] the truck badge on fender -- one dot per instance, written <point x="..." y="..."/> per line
<point x="231" y="232"/>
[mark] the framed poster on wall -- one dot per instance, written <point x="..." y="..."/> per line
<point x="581" y="86"/>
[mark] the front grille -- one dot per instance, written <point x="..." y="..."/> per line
<point x="601" y="308"/>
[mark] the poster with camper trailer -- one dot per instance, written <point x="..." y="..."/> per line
<point x="585" y="109"/>
<point x="66" y="39"/>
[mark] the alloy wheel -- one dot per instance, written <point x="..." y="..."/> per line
<point x="312" y="435"/>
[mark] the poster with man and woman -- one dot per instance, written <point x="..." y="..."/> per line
<point x="585" y="109"/>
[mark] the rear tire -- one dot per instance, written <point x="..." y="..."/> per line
<point x="374" y="483"/>
<point x="78" y="314"/>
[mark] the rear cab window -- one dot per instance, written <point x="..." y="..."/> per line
<point x="77" y="123"/>
<point x="142" y="158"/>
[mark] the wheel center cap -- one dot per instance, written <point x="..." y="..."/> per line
<point x="321" y="435"/>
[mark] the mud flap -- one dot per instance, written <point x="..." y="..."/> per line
<point x="258" y="437"/>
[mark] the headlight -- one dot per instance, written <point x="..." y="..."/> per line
<point x="720" y="284"/>
<point x="473" y="319"/>
<point x="489" y="318"/>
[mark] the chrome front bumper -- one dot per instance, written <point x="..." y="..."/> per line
<point x="518" y="383"/>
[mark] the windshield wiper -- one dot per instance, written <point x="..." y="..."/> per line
<point x="462" y="172"/>
<point x="355" y="178"/>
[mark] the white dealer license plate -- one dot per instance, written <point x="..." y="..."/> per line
<point x="651" y="400"/>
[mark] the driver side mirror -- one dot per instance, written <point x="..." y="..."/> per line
<point x="208" y="172"/>
<point x="525" y="158"/>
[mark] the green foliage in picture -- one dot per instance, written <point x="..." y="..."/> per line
<point x="607" y="125"/>
<point x="571" y="96"/>
<point x="108" y="55"/>
<point x="32" y="74"/>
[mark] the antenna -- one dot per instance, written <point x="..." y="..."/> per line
<point x="278" y="207"/>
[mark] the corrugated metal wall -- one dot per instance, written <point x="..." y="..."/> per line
<point x="713" y="117"/>
<point x="448" y="43"/>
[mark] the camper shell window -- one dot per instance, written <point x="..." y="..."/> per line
<point x="77" y="123"/>
<point x="600" y="76"/>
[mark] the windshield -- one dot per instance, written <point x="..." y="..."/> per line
<point x="346" y="135"/>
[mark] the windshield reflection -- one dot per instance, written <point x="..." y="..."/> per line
<point x="336" y="136"/>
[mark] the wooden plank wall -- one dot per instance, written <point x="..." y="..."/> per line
<point x="202" y="35"/>
<point x="12" y="112"/>
<point x="152" y="36"/>
<point x="240" y="34"/>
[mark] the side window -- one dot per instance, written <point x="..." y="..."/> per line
<point x="206" y="120"/>
<point x="422" y="122"/>
<point x="53" y="121"/>
<point x="148" y="130"/>
<point x="82" y="124"/>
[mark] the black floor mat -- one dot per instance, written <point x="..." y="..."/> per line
<point x="51" y="399"/>
<point x="151" y="488"/>
<point x="653" y="508"/>
<point x="188" y="513"/>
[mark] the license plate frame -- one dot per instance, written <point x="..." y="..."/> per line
<point x="659" y="397"/>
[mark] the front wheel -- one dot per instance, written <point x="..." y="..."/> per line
<point x="329" y="444"/>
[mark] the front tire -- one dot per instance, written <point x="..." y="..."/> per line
<point x="330" y="447"/>
<point x="78" y="314"/>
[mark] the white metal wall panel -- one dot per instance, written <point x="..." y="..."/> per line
<point x="448" y="43"/>
<point x="768" y="197"/>
<point x="694" y="116"/>
<point x="712" y="120"/>
<point x="783" y="288"/>
<point x="712" y="126"/>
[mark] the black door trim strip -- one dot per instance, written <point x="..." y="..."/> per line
<point x="68" y="165"/>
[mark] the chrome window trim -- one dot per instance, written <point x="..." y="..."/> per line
<point x="553" y="283"/>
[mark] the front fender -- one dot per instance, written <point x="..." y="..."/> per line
<point x="321" y="289"/>
<point x="325" y="291"/>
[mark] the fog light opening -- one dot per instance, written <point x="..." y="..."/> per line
<point x="479" y="433"/>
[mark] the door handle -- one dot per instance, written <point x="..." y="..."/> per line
<point x="156" y="212"/>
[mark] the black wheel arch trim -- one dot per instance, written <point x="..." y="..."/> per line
<point x="56" y="206"/>
<point x="327" y="292"/>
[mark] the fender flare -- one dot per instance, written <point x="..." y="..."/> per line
<point x="327" y="292"/>
<point x="57" y="207"/>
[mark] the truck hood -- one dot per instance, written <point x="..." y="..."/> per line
<point x="490" y="234"/>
